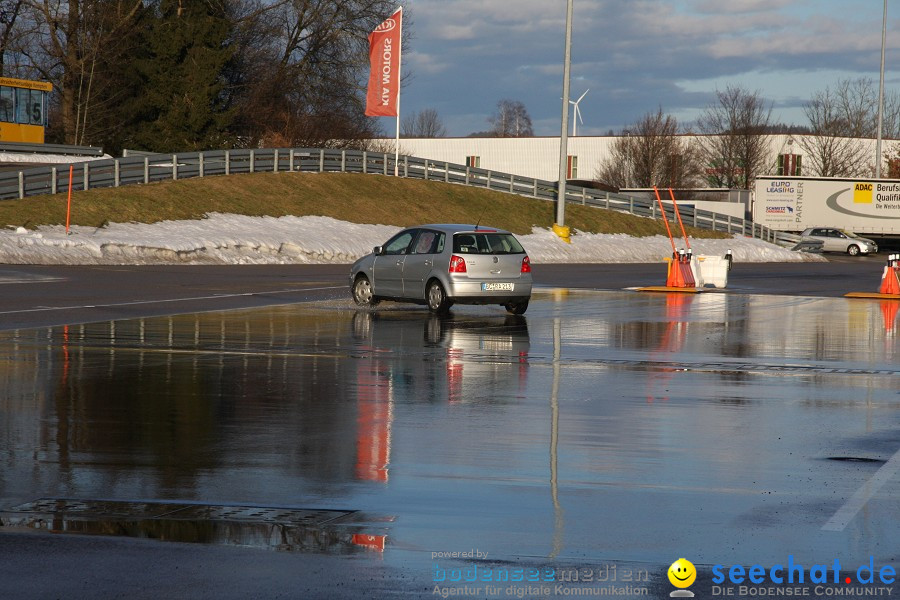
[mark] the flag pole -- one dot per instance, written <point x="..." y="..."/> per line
<point x="878" y="158"/>
<point x="399" y="71"/>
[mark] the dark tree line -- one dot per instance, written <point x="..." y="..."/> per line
<point x="174" y="75"/>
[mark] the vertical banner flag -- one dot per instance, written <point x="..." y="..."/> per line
<point x="384" y="60"/>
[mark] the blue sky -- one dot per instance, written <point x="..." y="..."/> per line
<point x="635" y="56"/>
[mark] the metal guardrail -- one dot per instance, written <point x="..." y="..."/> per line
<point x="138" y="169"/>
<point x="63" y="149"/>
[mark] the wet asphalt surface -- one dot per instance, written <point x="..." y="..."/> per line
<point x="37" y="296"/>
<point x="285" y="444"/>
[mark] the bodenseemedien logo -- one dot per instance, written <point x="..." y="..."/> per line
<point x="682" y="574"/>
<point x="862" y="193"/>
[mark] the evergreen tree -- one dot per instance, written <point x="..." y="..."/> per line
<point x="183" y="105"/>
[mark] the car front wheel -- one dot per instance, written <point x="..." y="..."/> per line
<point x="362" y="292"/>
<point x="436" y="298"/>
<point x="853" y="250"/>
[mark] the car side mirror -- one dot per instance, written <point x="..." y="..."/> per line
<point x="378" y="249"/>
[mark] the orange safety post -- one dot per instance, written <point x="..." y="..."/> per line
<point x="685" y="264"/>
<point x="666" y="221"/>
<point x="69" y="202"/>
<point x="674" y="275"/>
<point x="678" y="215"/>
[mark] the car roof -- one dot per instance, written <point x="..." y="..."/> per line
<point x="457" y="228"/>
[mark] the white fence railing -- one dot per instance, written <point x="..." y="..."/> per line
<point x="146" y="168"/>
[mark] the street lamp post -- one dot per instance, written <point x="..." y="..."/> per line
<point x="881" y="95"/>
<point x="559" y="227"/>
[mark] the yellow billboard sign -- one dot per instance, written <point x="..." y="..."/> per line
<point x="862" y="193"/>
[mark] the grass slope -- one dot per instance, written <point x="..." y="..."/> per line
<point x="350" y="197"/>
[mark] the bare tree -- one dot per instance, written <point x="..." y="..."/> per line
<point x="891" y="115"/>
<point x="511" y="120"/>
<point x="423" y="124"/>
<point x="856" y="103"/>
<point x="72" y="42"/>
<point x="10" y="10"/>
<point x="830" y="149"/>
<point x="736" y="144"/>
<point x="651" y="153"/>
<point x="300" y="65"/>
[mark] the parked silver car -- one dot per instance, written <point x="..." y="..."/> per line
<point x="838" y="240"/>
<point x="440" y="265"/>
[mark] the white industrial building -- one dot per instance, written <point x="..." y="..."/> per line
<point x="539" y="156"/>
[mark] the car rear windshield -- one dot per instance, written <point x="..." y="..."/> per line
<point x="486" y="243"/>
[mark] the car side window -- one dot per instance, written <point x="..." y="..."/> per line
<point x="399" y="244"/>
<point x="425" y="243"/>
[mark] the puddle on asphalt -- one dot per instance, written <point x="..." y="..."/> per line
<point x="520" y="434"/>
<point x="272" y="528"/>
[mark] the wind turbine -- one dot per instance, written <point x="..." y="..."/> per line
<point x="577" y="112"/>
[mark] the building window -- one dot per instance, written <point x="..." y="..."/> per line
<point x="7" y="104"/>
<point x="789" y="165"/>
<point x="572" y="167"/>
<point x="473" y="161"/>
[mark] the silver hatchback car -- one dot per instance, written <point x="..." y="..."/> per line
<point x="839" y="240"/>
<point x="440" y="265"/>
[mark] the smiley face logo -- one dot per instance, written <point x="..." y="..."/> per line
<point x="682" y="573"/>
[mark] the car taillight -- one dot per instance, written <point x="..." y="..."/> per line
<point x="457" y="264"/>
<point x="526" y="265"/>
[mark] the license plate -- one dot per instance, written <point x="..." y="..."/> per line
<point x="492" y="287"/>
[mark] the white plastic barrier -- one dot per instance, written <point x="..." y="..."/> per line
<point x="710" y="271"/>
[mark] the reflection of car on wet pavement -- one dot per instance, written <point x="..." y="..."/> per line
<point x="838" y="240"/>
<point x="460" y="358"/>
<point x="440" y="265"/>
<point x="385" y="329"/>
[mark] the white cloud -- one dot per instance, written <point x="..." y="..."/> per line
<point x="423" y="63"/>
<point x="637" y="55"/>
<point x="737" y="6"/>
<point x="456" y="32"/>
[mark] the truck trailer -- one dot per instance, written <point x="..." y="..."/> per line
<point x="864" y="206"/>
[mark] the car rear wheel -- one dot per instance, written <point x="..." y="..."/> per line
<point x="362" y="292"/>
<point x="516" y="308"/>
<point x="852" y="249"/>
<point x="436" y="298"/>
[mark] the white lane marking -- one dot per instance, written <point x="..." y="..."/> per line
<point x="848" y="511"/>
<point x="164" y="300"/>
<point x="4" y="280"/>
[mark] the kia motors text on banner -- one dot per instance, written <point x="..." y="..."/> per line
<point x="384" y="59"/>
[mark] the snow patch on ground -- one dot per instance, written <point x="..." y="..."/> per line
<point x="238" y="239"/>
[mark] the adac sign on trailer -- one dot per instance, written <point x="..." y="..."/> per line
<point x="795" y="203"/>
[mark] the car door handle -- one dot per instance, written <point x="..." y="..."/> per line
<point x="427" y="263"/>
<point x="399" y="262"/>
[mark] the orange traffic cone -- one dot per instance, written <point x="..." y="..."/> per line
<point x="675" y="276"/>
<point x="889" y="282"/>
